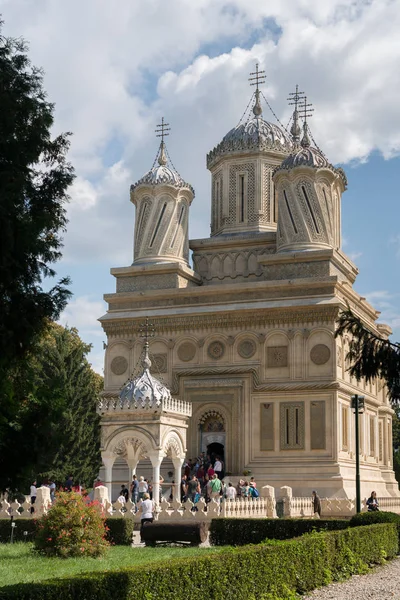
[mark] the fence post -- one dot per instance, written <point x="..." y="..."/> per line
<point x="268" y="492"/>
<point x="43" y="501"/>
<point x="286" y="495"/>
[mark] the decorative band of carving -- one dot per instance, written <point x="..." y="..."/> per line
<point x="221" y="321"/>
<point x="211" y="413"/>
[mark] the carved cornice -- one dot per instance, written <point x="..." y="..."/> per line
<point x="235" y="319"/>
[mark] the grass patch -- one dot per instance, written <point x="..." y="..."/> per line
<point x="19" y="564"/>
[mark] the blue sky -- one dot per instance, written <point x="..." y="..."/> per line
<point x="114" y="67"/>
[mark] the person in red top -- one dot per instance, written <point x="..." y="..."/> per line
<point x="210" y="472"/>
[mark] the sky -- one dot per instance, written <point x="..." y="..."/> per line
<point x="113" y="68"/>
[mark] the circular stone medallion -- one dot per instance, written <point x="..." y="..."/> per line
<point x="119" y="365"/>
<point x="216" y="350"/>
<point x="247" y="349"/>
<point x="186" y="351"/>
<point x="320" y="354"/>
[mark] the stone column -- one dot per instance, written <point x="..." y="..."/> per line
<point x="156" y="460"/>
<point x="177" y="462"/>
<point x="132" y="465"/>
<point x="108" y="460"/>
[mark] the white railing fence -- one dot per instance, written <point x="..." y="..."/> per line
<point x="267" y="505"/>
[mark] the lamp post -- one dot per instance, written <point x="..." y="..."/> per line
<point x="357" y="404"/>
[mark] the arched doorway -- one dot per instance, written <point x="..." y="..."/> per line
<point x="212" y="435"/>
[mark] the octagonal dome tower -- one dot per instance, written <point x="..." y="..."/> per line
<point x="309" y="191"/>
<point x="241" y="166"/>
<point x="162" y="199"/>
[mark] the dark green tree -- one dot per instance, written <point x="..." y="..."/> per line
<point x="370" y="355"/>
<point x="34" y="177"/>
<point x="58" y="429"/>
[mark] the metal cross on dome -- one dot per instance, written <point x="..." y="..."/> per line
<point x="161" y="129"/>
<point x="305" y="109"/>
<point x="146" y="330"/>
<point x="295" y="97"/>
<point x="257" y="77"/>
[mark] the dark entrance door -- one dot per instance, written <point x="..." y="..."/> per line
<point x="215" y="449"/>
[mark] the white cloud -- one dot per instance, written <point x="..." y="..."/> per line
<point x="82" y="313"/>
<point x="114" y="67"/>
<point x="388" y="304"/>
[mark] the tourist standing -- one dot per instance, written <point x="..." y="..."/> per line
<point x="215" y="487"/>
<point x="192" y="488"/>
<point x="239" y="487"/>
<point x="230" y="493"/>
<point x="147" y="509"/>
<point x="316" y="503"/>
<point x="134" y="490"/>
<point x="218" y="467"/>
<point x="142" y="488"/>
<point x="184" y="488"/>
<point x="69" y="484"/>
<point x="33" y="494"/>
<point x="52" y="487"/>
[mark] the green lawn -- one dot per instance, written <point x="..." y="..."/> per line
<point x="19" y="564"/>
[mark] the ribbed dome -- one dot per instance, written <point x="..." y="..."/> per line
<point x="307" y="156"/>
<point x="144" y="391"/>
<point x="255" y="135"/>
<point x="162" y="174"/>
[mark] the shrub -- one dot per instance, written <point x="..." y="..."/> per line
<point x="271" y="571"/>
<point x="369" y="518"/>
<point x="239" y="532"/>
<point x="120" y="530"/>
<point x="21" y="525"/>
<point x="72" y="527"/>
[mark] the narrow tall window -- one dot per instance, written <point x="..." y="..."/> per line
<point x="241" y="198"/>
<point x="158" y="224"/>
<point x="309" y="208"/>
<point x="292" y="426"/>
<point x="290" y="212"/>
<point x="372" y="436"/>
<point x="178" y="226"/>
<point x="345" y="429"/>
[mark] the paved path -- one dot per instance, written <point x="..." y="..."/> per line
<point x="382" y="583"/>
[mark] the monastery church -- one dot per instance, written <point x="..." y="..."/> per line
<point x="240" y="358"/>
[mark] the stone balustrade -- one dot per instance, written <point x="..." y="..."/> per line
<point x="264" y="506"/>
<point x="111" y="403"/>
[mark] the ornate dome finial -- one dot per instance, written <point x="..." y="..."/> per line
<point x="306" y="112"/>
<point x="146" y="331"/>
<point x="256" y="78"/>
<point x="294" y="98"/>
<point x="164" y="172"/>
<point x="161" y="131"/>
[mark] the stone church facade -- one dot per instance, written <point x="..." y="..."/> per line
<point x="246" y="334"/>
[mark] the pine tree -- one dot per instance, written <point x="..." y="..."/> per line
<point x="57" y="430"/>
<point x="371" y="356"/>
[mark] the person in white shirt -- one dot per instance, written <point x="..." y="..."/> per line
<point x="218" y="467"/>
<point x="33" y="494"/>
<point x="146" y="508"/>
<point x="143" y="487"/>
<point x="230" y="493"/>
